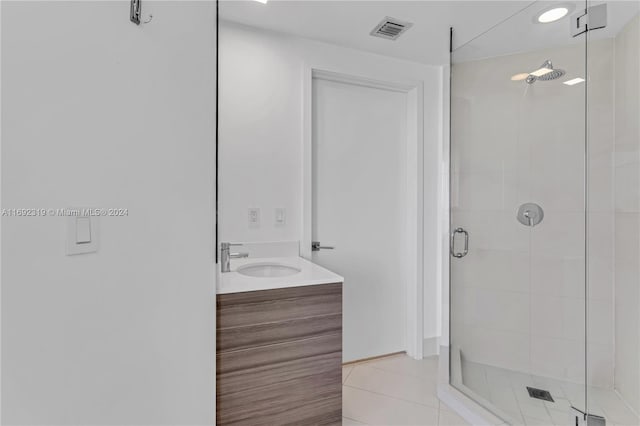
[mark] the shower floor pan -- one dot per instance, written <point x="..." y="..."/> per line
<point x="505" y="392"/>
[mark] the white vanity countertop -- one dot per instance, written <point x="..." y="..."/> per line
<point x="310" y="274"/>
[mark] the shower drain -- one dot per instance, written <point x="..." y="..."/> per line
<point x="540" y="394"/>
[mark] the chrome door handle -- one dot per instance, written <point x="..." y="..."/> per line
<point x="453" y="242"/>
<point x="315" y="246"/>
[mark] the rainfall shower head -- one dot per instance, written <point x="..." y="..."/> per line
<point x="545" y="73"/>
<point x="556" y="73"/>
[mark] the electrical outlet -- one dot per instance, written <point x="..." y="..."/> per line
<point x="254" y="218"/>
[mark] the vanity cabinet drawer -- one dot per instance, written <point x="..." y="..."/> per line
<point x="272" y="355"/>
<point x="313" y="399"/>
<point x="283" y="304"/>
<point x="233" y="382"/>
<point x="249" y="336"/>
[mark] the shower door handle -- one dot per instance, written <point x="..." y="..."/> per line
<point x="453" y="243"/>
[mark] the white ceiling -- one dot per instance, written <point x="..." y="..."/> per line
<point x="348" y="23"/>
<point x="521" y="33"/>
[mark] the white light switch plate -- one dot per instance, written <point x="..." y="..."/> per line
<point x="82" y="234"/>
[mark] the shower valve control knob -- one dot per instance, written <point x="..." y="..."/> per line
<point x="530" y="214"/>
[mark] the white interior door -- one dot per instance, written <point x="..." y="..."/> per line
<point x="359" y="207"/>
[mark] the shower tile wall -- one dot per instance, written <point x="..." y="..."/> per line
<point x="627" y="213"/>
<point x="518" y="302"/>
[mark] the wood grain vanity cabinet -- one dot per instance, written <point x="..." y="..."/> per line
<point x="279" y="356"/>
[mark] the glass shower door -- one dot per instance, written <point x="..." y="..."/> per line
<point x="518" y="218"/>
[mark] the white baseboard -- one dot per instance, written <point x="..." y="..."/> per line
<point x="431" y="346"/>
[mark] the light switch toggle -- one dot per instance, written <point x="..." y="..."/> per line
<point x="280" y="216"/>
<point x="82" y="233"/>
<point x="83" y="230"/>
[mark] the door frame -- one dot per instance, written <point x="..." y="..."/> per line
<point x="414" y="229"/>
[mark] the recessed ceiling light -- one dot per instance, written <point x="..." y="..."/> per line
<point x="552" y="15"/>
<point x="519" y="77"/>
<point x="262" y="1"/>
<point x="573" y="81"/>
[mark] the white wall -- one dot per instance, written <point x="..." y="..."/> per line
<point x="99" y="112"/>
<point x="523" y="288"/>
<point x="627" y="213"/>
<point x="261" y="123"/>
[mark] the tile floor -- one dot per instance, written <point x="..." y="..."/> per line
<point x="395" y="390"/>
<point x="506" y="389"/>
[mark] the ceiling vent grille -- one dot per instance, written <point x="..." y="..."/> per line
<point x="390" y="28"/>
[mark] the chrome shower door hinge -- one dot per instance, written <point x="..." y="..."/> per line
<point x="578" y="417"/>
<point x="592" y="18"/>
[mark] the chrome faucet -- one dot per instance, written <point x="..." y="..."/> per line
<point x="226" y="256"/>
